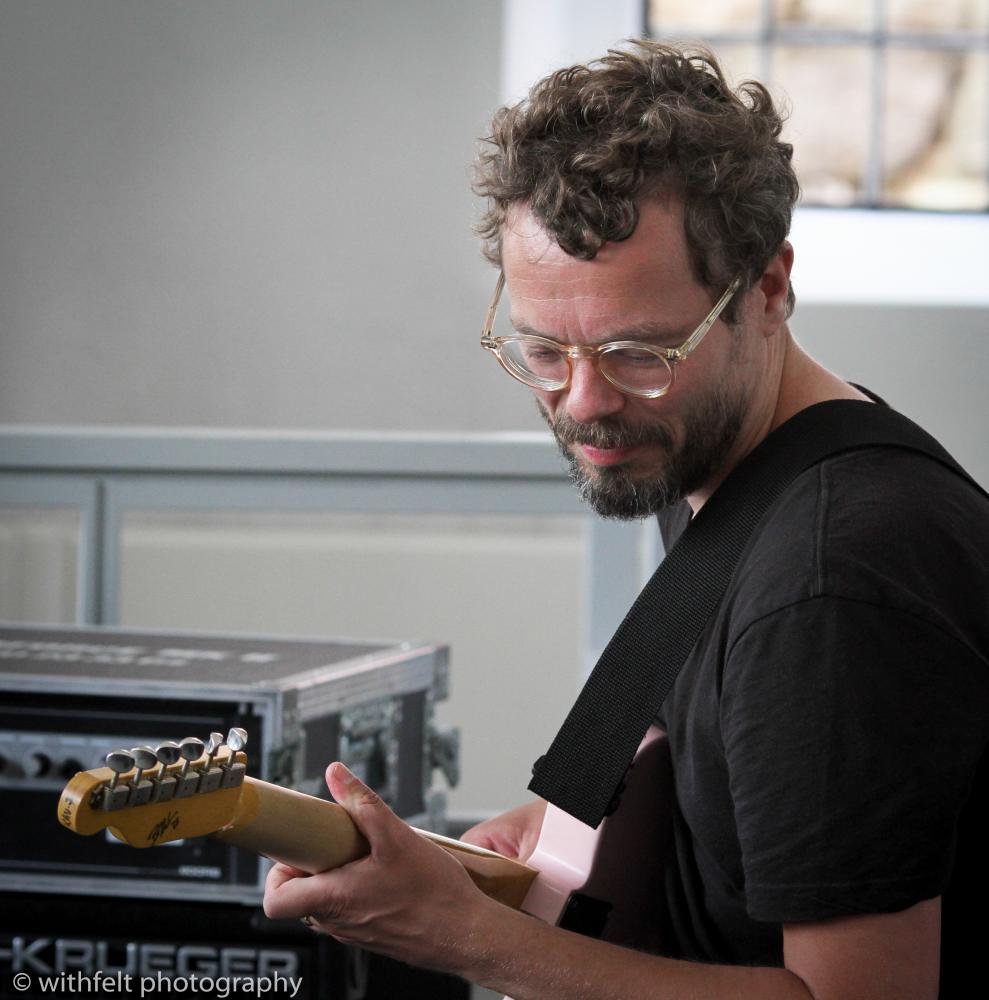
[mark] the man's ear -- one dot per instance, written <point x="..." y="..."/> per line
<point x="775" y="286"/>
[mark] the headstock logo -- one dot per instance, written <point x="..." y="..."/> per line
<point x="169" y="822"/>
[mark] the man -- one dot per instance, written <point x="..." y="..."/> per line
<point x="826" y="728"/>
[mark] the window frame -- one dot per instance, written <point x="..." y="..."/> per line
<point x="843" y="255"/>
<point x="877" y="39"/>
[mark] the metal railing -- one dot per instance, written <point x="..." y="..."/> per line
<point x="106" y="472"/>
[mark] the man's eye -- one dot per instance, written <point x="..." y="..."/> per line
<point x="533" y="353"/>
<point x="634" y="357"/>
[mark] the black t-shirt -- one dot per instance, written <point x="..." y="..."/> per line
<point x="826" y="728"/>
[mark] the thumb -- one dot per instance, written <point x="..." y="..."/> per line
<point x="366" y="808"/>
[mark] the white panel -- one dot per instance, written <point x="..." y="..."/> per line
<point x="504" y="592"/>
<point x="543" y="35"/>
<point x="39" y="554"/>
<point x="890" y="258"/>
<point x="212" y="210"/>
<point x="928" y="363"/>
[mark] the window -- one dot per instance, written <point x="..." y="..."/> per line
<point x="890" y="98"/>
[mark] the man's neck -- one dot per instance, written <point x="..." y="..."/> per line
<point x="801" y="382"/>
<point x="805" y="382"/>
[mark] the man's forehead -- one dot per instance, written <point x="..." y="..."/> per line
<point x="658" y="244"/>
<point x="524" y="237"/>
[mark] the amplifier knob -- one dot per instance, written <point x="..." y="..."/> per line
<point x="37" y="765"/>
<point x="70" y="768"/>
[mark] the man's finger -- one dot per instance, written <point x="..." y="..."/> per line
<point x="287" y="896"/>
<point x="280" y="873"/>
<point x="347" y="788"/>
<point x="369" y="812"/>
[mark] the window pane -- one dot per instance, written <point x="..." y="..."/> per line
<point x="504" y="591"/>
<point x="823" y="13"/>
<point x="928" y="151"/>
<point x="945" y="15"/>
<point x="711" y="16"/>
<point x="740" y="62"/>
<point x="829" y="148"/>
<point x="39" y="554"/>
<point x="934" y="146"/>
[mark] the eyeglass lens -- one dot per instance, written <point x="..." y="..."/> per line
<point x="546" y="367"/>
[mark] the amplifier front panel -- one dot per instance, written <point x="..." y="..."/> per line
<point x="46" y="738"/>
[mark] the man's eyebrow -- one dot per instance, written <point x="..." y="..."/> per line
<point x="653" y="332"/>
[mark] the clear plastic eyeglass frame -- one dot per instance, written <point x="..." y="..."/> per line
<point x="572" y="352"/>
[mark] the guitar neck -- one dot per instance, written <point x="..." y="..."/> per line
<point x="314" y="836"/>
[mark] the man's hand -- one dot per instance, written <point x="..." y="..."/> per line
<point x="413" y="901"/>
<point x="408" y="899"/>
<point x="513" y="833"/>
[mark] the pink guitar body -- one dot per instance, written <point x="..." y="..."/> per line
<point x="614" y="872"/>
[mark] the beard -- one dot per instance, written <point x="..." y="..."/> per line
<point x="710" y="428"/>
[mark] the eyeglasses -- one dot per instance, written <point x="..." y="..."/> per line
<point x="631" y="366"/>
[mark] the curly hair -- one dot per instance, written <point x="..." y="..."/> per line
<point x="590" y="141"/>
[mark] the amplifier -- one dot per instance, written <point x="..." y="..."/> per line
<point x="161" y="949"/>
<point x="70" y="695"/>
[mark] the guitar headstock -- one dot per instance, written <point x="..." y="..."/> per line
<point x="148" y="796"/>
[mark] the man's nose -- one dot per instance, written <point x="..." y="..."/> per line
<point x="590" y="395"/>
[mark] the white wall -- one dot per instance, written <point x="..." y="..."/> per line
<point x="929" y="362"/>
<point x="244" y="212"/>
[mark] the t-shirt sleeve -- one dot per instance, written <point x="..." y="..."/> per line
<point x="852" y="733"/>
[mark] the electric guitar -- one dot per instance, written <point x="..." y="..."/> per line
<point x="584" y="879"/>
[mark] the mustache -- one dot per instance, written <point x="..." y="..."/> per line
<point x="608" y="433"/>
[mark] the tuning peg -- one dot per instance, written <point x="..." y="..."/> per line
<point x="237" y="739"/>
<point x="144" y="759"/>
<point x="213" y="745"/>
<point x="167" y="753"/>
<point x="115" y="795"/>
<point x="235" y="771"/>
<point x="142" y="790"/>
<point x="120" y="762"/>
<point x="211" y="774"/>
<point x="190" y="749"/>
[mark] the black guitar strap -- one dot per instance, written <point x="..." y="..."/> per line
<point x="583" y="768"/>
